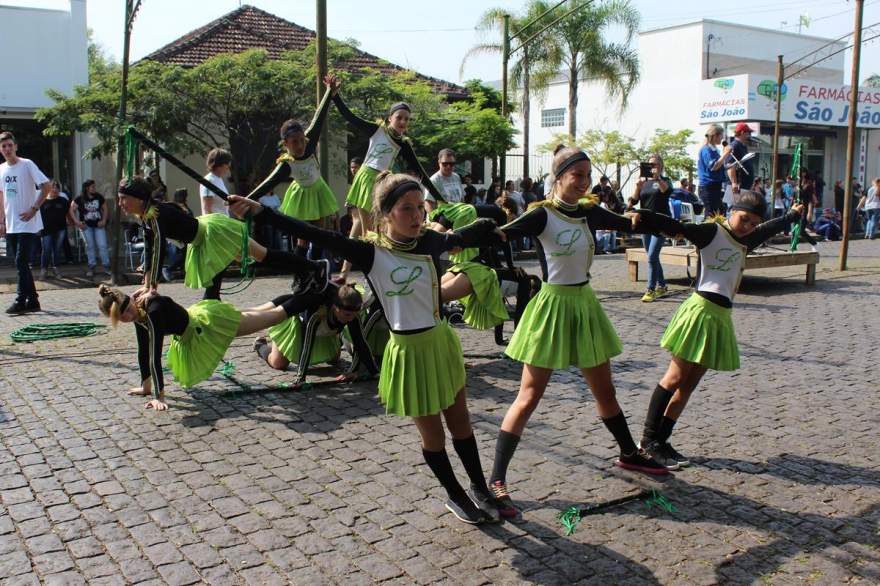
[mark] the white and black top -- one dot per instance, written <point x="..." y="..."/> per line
<point x="450" y="187"/>
<point x="385" y="146"/>
<point x="165" y="221"/>
<point x="404" y="276"/>
<point x="563" y="240"/>
<point x="305" y="170"/>
<point x="722" y="254"/>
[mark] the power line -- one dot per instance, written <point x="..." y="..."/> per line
<point x="829" y="43"/>
<point x="804" y="68"/>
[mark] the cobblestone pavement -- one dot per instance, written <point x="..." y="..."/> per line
<point x="245" y="481"/>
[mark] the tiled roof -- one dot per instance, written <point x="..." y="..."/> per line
<point x="251" y="28"/>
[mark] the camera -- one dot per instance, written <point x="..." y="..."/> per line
<point x="646" y="170"/>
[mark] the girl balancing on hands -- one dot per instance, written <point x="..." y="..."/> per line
<point x="700" y="335"/>
<point x="387" y="141"/>
<point x="422" y="372"/>
<point x="308" y="196"/>
<point x="564" y="325"/>
<point x="214" y="241"/>
<point x="201" y="334"/>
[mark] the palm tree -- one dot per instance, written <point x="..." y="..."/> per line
<point x="579" y="50"/>
<point x="529" y="70"/>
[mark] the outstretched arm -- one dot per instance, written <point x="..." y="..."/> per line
<point x="362" y="126"/>
<point x="774" y="226"/>
<point x="358" y="252"/>
<point x="313" y="132"/>
<point x="480" y="231"/>
<point x="279" y="174"/>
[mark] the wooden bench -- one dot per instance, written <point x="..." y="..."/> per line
<point x="687" y="256"/>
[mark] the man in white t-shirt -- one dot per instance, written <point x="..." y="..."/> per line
<point x="446" y="181"/>
<point x="219" y="162"/>
<point x="20" y="220"/>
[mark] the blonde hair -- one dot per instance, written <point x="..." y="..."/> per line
<point x="110" y="303"/>
<point x="559" y="156"/>
<point x="386" y="183"/>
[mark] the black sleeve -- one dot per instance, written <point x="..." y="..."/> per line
<point x="313" y="132"/>
<point x="154" y="250"/>
<point x="279" y="174"/>
<point x="360" y="351"/>
<point x="443" y="221"/>
<point x="699" y="234"/>
<point x="473" y="235"/>
<point x="601" y="219"/>
<point x="363" y="126"/>
<point x="530" y="223"/>
<point x="311" y="323"/>
<point x="768" y="229"/>
<point x="150" y="338"/>
<point x="412" y="161"/>
<point x="358" y="252"/>
<point x="296" y="304"/>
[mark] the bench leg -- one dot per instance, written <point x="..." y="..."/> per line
<point x="633" y="270"/>
<point x="811" y="274"/>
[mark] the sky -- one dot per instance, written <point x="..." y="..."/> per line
<point x="433" y="37"/>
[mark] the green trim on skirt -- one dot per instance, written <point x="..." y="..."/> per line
<point x="288" y="336"/>
<point x="217" y="243"/>
<point x="460" y="214"/>
<point x="194" y="356"/>
<point x="360" y="194"/>
<point x="562" y="326"/>
<point x="421" y="373"/>
<point x="484" y="308"/>
<point x="309" y="203"/>
<point x="702" y="332"/>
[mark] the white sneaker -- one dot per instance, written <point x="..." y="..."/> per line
<point x="57" y="273"/>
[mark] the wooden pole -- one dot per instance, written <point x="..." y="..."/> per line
<point x="780" y="69"/>
<point x="851" y="131"/>
<point x="505" y="56"/>
<point x="321" y="33"/>
<point x="115" y="261"/>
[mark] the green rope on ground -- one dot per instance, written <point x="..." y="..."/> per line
<point x="226" y="368"/>
<point x="660" y="501"/>
<point x="38" y="332"/>
<point x="570" y="518"/>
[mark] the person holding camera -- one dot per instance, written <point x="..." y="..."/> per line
<point x="652" y="193"/>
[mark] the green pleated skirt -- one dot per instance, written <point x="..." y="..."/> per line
<point x="702" y="332"/>
<point x="484" y="308"/>
<point x="562" y="326"/>
<point x="289" y="335"/>
<point x="218" y="242"/>
<point x="460" y="214"/>
<point x="195" y="355"/>
<point x="309" y="203"/>
<point x="421" y="373"/>
<point x="361" y="192"/>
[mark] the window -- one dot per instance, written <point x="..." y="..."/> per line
<point x="554" y="117"/>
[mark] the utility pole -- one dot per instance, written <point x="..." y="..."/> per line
<point x="851" y="132"/>
<point x="321" y="32"/>
<point x="780" y="69"/>
<point x="505" y="57"/>
<point x="131" y="8"/>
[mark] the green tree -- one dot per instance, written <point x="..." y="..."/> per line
<point x="872" y="81"/>
<point x="530" y="73"/>
<point x="673" y="148"/>
<point x="579" y="49"/>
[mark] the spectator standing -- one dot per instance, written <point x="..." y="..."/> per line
<point x="527" y="191"/>
<point x="871" y="204"/>
<point x="652" y="193"/>
<point x="839" y="194"/>
<point x="446" y="180"/>
<point x="89" y="214"/>
<point x="54" y="214"/>
<point x="270" y="238"/>
<point x="710" y="170"/>
<point x="740" y="173"/>
<point x="219" y="162"/>
<point x="20" y="222"/>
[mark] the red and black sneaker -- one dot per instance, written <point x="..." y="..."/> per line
<point x="502" y="500"/>
<point x="640" y="461"/>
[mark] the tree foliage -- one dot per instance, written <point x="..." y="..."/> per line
<point x="240" y="100"/>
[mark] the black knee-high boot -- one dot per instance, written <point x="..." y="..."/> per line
<point x="654" y="417"/>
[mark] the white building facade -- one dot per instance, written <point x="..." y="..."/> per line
<point x="685" y="69"/>
<point x="44" y="49"/>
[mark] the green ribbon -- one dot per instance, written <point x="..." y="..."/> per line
<point x="795" y="172"/>
<point x="570" y="518"/>
<point x="131" y="148"/>
<point x="38" y="332"/>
